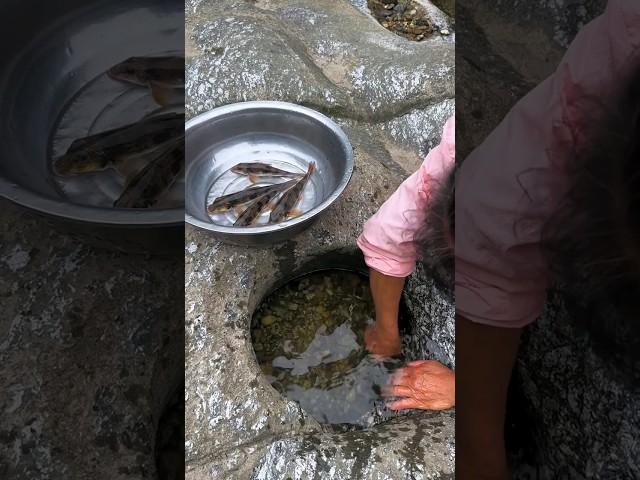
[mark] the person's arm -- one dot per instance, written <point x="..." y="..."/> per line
<point x="485" y="356"/>
<point x="387" y="241"/>
<point x="383" y="338"/>
<point x="387" y="244"/>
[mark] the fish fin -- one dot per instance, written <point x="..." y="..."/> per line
<point x="296" y="212"/>
<point x="312" y="168"/>
<point x="270" y="206"/>
<point x="122" y="165"/>
<point x="161" y="94"/>
<point x="253" y="178"/>
<point x="129" y="164"/>
<point x="254" y="221"/>
<point x="212" y="209"/>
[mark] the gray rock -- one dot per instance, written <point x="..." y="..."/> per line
<point x="323" y="54"/>
<point x="587" y="420"/>
<point x="425" y="441"/>
<point x="561" y="20"/>
<point x="242" y="59"/>
<point x="433" y="314"/>
<point x="91" y="349"/>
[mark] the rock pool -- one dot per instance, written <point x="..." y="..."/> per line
<point x="308" y="337"/>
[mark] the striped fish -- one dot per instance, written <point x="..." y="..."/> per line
<point x="231" y="200"/>
<point x="255" y="208"/>
<point x="290" y="198"/>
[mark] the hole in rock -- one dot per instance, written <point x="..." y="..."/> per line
<point x="406" y="18"/>
<point x="308" y="337"/>
<point x="169" y="448"/>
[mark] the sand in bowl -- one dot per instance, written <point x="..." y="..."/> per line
<point x="308" y="337"/>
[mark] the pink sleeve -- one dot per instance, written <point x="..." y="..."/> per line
<point x="387" y="239"/>
<point x="509" y="186"/>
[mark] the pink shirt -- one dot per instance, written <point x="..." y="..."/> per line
<point x="508" y="187"/>
<point x="387" y="238"/>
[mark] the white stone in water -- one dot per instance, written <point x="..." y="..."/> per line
<point x="287" y="346"/>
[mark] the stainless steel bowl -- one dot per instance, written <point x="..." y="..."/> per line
<point x="54" y="55"/>
<point x="284" y="135"/>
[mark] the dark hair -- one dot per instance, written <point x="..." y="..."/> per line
<point x="592" y="241"/>
<point x="434" y="239"/>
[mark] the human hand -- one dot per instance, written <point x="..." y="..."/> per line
<point x="382" y="342"/>
<point x="423" y="384"/>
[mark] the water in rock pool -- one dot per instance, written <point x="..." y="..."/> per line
<point x="308" y="337"/>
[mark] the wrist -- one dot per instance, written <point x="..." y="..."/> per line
<point x="387" y="325"/>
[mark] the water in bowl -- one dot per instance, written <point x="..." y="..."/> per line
<point x="101" y="105"/>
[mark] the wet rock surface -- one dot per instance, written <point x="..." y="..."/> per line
<point x="305" y="52"/>
<point x="413" y="443"/>
<point x="432" y="311"/>
<point x="572" y="415"/>
<point x="583" y="413"/>
<point x="91" y="347"/>
<point x="392" y="97"/>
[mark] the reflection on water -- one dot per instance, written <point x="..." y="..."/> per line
<point x="308" y="338"/>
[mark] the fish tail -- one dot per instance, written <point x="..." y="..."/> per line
<point x="294" y="213"/>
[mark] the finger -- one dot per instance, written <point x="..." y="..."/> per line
<point x="403" y="404"/>
<point x="397" y="391"/>
<point x="405" y="376"/>
<point x="397" y="377"/>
